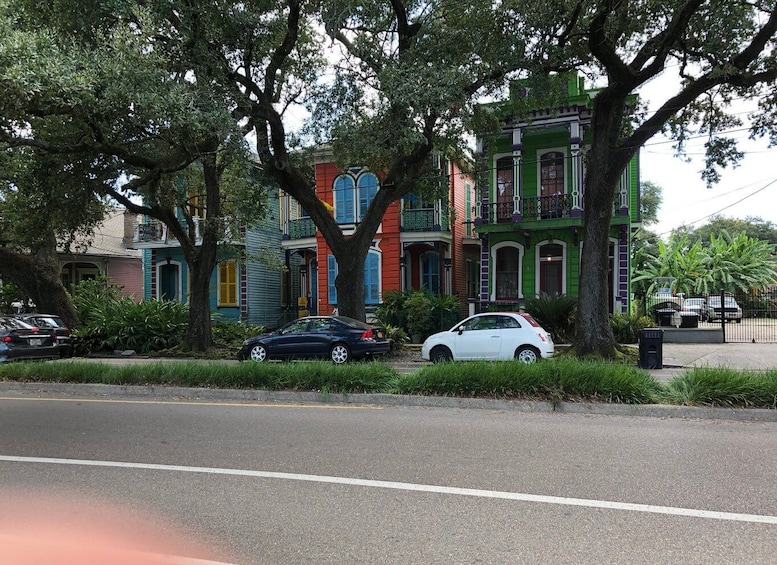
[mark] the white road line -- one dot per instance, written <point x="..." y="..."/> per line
<point x="516" y="496"/>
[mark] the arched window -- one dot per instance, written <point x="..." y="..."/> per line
<point x="344" y="200"/>
<point x="368" y="188"/>
<point x="507" y="281"/>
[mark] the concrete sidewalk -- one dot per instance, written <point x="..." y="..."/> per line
<point x="680" y="356"/>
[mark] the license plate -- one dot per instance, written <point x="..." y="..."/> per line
<point x="36" y="341"/>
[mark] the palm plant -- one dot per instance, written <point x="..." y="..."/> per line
<point x="556" y="313"/>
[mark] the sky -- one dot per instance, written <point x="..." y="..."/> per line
<point x="748" y="190"/>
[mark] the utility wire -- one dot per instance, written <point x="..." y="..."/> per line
<point x="708" y="216"/>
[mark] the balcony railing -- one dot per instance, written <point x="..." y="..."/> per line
<point x="538" y="208"/>
<point x="302" y="228"/>
<point x="426" y="219"/>
<point x="156" y="232"/>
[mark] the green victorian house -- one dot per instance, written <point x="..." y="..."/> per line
<point x="530" y="217"/>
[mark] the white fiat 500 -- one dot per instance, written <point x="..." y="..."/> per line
<point x="491" y="335"/>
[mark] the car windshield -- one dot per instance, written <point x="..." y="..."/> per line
<point x="694" y="301"/>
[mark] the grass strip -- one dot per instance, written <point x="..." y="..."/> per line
<point x="559" y="380"/>
<point x="309" y="376"/>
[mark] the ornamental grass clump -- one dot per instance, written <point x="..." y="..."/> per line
<point x="553" y="381"/>
<point x="485" y="379"/>
<point x="606" y="382"/>
<point x="721" y="386"/>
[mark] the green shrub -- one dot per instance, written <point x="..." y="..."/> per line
<point x="231" y="334"/>
<point x="418" y="313"/>
<point x="556" y="313"/>
<point x="418" y="309"/>
<point x="397" y="336"/>
<point x="626" y="327"/>
<point x="446" y="311"/>
<point x="111" y="322"/>
<point x="391" y="312"/>
<point x="91" y="296"/>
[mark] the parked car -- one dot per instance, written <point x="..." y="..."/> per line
<point x="55" y="323"/>
<point x="730" y="310"/>
<point x="338" y="338"/>
<point x="491" y="335"/>
<point x="697" y="306"/>
<point x="22" y="342"/>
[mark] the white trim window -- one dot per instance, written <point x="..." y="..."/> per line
<point x="507" y="284"/>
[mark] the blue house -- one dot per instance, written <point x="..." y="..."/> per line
<point x="252" y="283"/>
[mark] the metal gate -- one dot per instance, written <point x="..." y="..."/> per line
<point x="744" y="317"/>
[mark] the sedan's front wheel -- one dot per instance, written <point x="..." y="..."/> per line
<point x="339" y="354"/>
<point x="258" y="353"/>
<point x="527" y="354"/>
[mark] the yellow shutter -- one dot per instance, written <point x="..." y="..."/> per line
<point x="228" y="283"/>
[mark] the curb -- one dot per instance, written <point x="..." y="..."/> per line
<point x="170" y="394"/>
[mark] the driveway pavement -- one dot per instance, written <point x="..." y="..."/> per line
<point x="680" y="356"/>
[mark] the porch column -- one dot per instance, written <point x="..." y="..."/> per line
<point x="517" y="149"/>
<point x="623" y="194"/>
<point x="576" y="173"/>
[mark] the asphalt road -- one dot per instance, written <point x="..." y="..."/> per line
<point x="270" y="483"/>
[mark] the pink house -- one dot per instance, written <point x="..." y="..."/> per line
<point x="109" y="254"/>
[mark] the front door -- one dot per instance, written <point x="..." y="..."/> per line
<point x="169" y="277"/>
<point x="551" y="269"/>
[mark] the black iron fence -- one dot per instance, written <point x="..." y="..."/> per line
<point x="743" y="317"/>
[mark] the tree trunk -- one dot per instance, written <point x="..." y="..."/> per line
<point x="39" y="278"/>
<point x="198" y="334"/>
<point x="594" y="332"/>
<point x="350" y="281"/>
<point x="202" y="260"/>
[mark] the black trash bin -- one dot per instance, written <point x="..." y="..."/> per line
<point x="651" y="343"/>
<point x="689" y="320"/>
<point x="665" y="316"/>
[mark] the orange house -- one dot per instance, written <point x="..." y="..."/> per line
<point x="419" y="243"/>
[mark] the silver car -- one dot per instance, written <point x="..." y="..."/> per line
<point x="730" y="311"/>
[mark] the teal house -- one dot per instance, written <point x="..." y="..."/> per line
<point x="530" y="215"/>
<point x="253" y="282"/>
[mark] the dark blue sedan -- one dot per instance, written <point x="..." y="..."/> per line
<point x="337" y="338"/>
<point x="22" y="342"/>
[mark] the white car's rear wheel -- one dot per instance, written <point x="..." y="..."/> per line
<point x="527" y="354"/>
